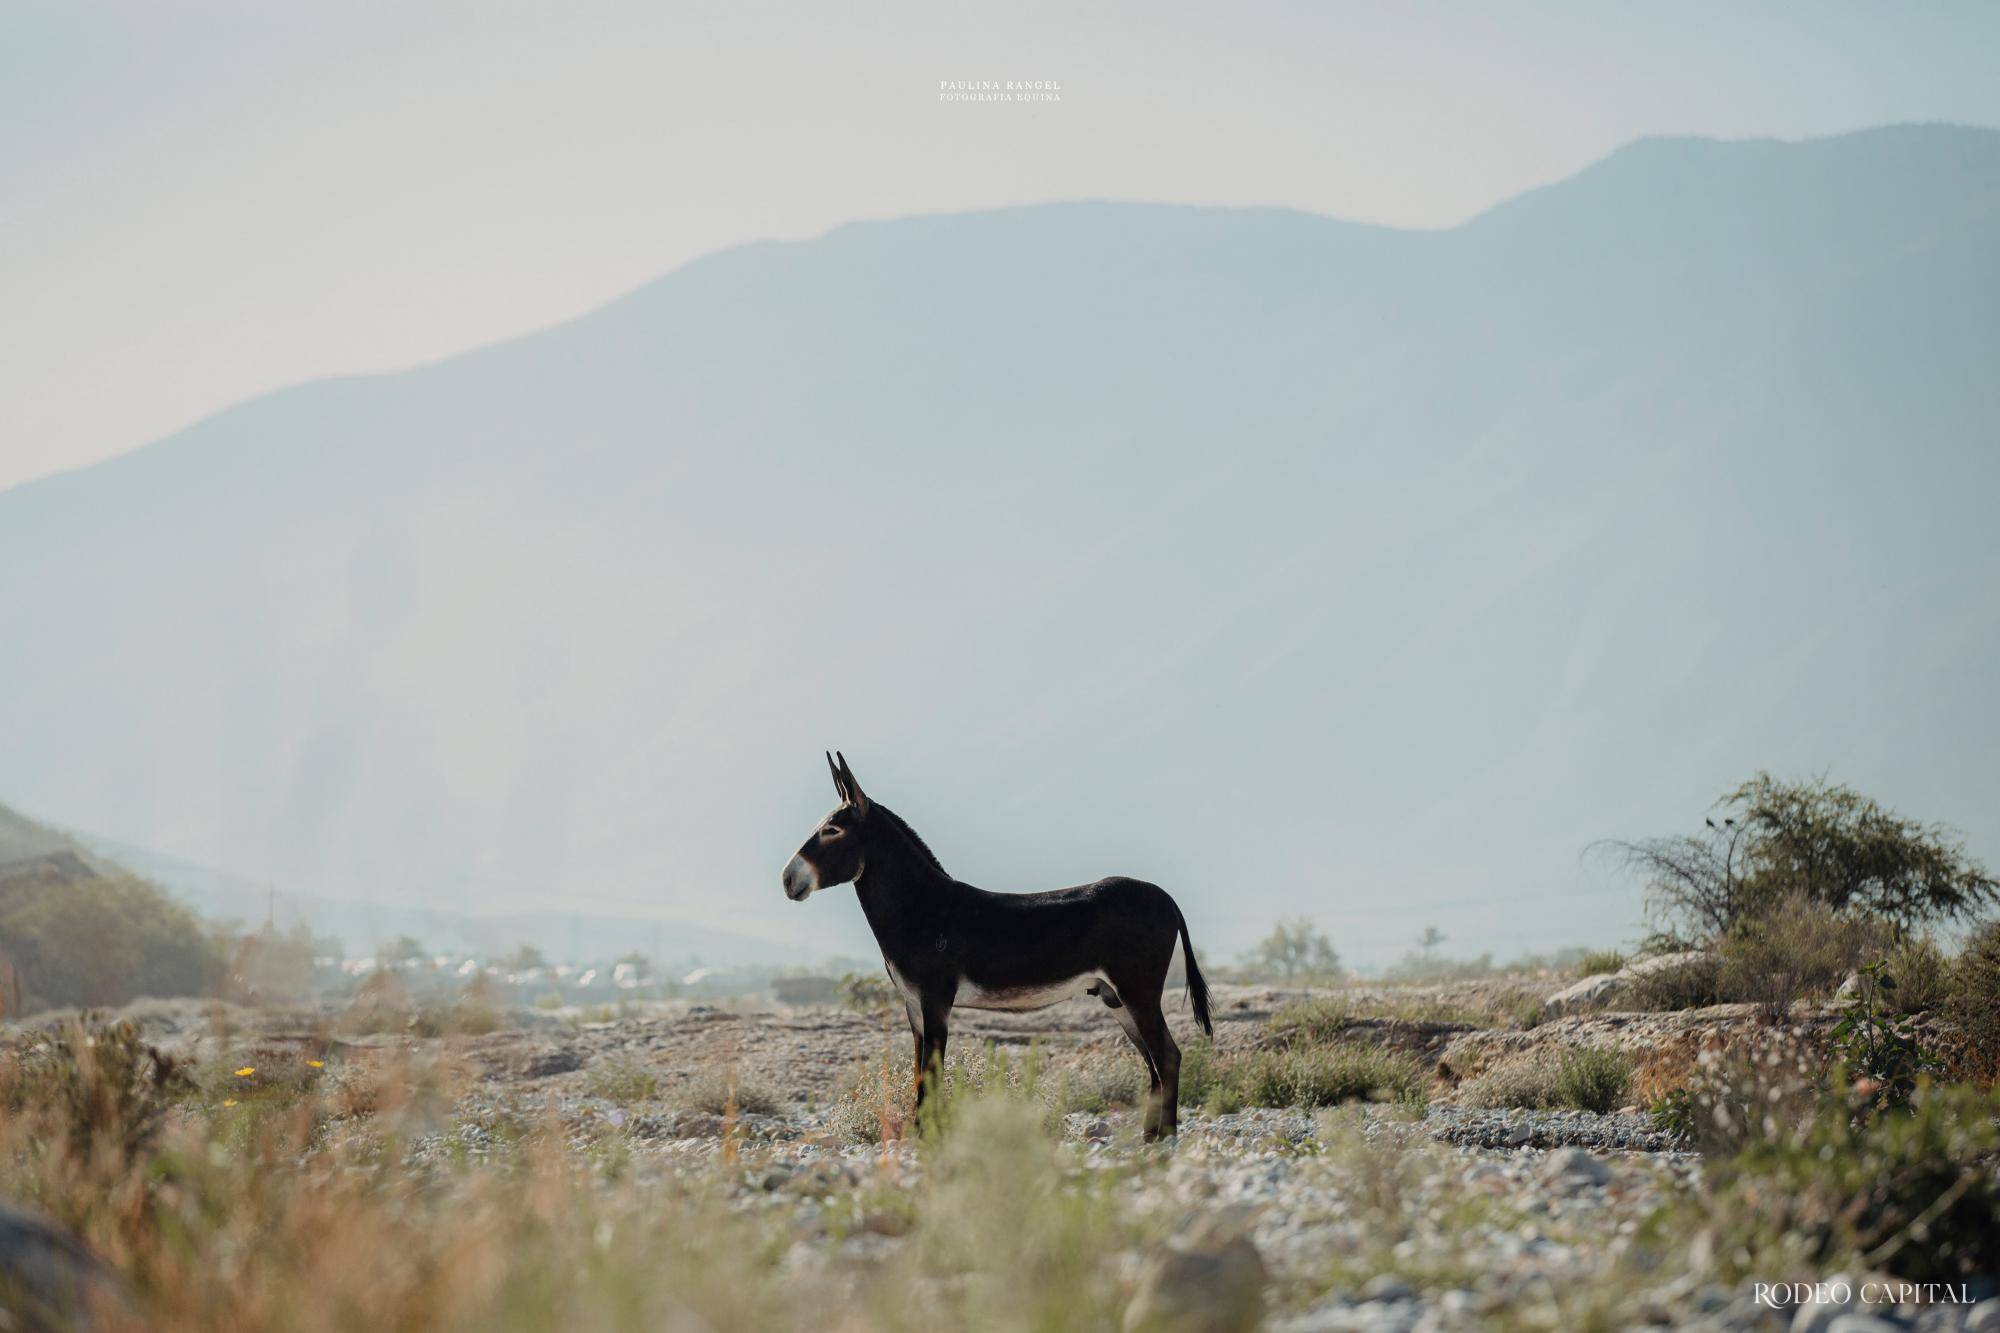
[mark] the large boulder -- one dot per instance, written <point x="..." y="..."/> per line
<point x="1209" y="1279"/>
<point x="1607" y="989"/>
<point x="49" y="1279"/>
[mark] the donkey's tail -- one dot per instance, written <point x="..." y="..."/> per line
<point x="1197" y="988"/>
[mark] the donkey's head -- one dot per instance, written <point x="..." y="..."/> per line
<point x="837" y="848"/>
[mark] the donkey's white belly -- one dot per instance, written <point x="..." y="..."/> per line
<point x="973" y="996"/>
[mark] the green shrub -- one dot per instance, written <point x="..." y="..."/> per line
<point x="1597" y="962"/>
<point x="1801" y="949"/>
<point x="867" y="993"/>
<point x="1319" y="1020"/>
<point x="1695" y="984"/>
<point x="1759" y="1088"/>
<point x="1878" y="1047"/>
<point x="1923" y="976"/>
<point x="1673" y="1112"/>
<point x="1593" y="1078"/>
<point x="723" y="1091"/>
<point x="1101" y="1086"/>
<point x="624" y="1079"/>
<point x="109" y="1091"/>
<point x="99" y="942"/>
<point x="1526" y="1081"/>
<point x="1913" y="1193"/>
<point x="1973" y="1006"/>
<point x="1332" y="1018"/>
<point x="1301" y="1075"/>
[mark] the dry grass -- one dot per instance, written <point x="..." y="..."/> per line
<point x="310" y="1211"/>
<point x="1801" y="950"/>
<point x="727" y="1092"/>
<point x="624" y="1080"/>
<point x="1298" y="1075"/>
<point x="1587" y="1078"/>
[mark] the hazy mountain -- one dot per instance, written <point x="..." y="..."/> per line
<point x="1298" y="565"/>
<point x="359" y="926"/>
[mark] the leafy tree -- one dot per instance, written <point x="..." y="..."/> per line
<point x="103" y="941"/>
<point x="1816" y="841"/>
<point x="1294" y="949"/>
<point x="1429" y="941"/>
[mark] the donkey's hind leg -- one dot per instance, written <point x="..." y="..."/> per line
<point x="1138" y="1039"/>
<point x="1163" y="1115"/>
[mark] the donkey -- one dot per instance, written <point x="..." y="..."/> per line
<point x="949" y="944"/>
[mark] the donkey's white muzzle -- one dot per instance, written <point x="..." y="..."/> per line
<point x="801" y="880"/>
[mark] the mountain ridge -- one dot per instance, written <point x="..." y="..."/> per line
<point x="1396" y="528"/>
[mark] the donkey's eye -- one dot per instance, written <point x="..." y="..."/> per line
<point x="830" y="831"/>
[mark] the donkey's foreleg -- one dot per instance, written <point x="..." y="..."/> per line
<point x="930" y="1027"/>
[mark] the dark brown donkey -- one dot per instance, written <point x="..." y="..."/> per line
<point x="947" y="943"/>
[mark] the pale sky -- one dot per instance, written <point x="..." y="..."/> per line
<point x="201" y="201"/>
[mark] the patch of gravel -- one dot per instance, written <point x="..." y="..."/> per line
<point x="1479" y="1128"/>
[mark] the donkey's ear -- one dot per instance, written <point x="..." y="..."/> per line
<point x="855" y="796"/>
<point x="839" y="782"/>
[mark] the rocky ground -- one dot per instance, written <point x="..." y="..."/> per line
<point x="1362" y="1218"/>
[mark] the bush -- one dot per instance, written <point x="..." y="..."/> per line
<point x="1923" y="976"/>
<point x="624" y="1080"/>
<point x="1593" y="1078"/>
<point x="1694" y="984"/>
<point x="1799" y="949"/>
<point x="867" y="993"/>
<point x="1597" y="962"/>
<point x="1877" y="1047"/>
<point x="1914" y="1192"/>
<point x="1973" y="1007"/>
<point x="1526" y="1080"/>
<point x="1758" y="1089"/>
<point x="108" y="1090"/>
<point x="1303" y="1076"/>
<point x="98" y="942"/>
<point x="721" y="1091"/>
<point x="1101" y="1086"/>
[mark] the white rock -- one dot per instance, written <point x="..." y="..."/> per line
<point x="1607" y="988"/>
<point x="1592" y="992"/>
<point x="1574" y="1164"/>
<point x="1214" y="1290"/>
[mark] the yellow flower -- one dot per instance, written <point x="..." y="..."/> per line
<point x="229" y="1101"/>
<point x="246" y="1071"/>
<point x="316" y="1064"/>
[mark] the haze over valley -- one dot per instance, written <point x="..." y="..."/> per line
<point x="1301" y="566"/>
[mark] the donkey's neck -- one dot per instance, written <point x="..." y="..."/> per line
<point x="901" y="890"/>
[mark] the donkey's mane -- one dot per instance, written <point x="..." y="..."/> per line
<point x="897" y="822"/>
